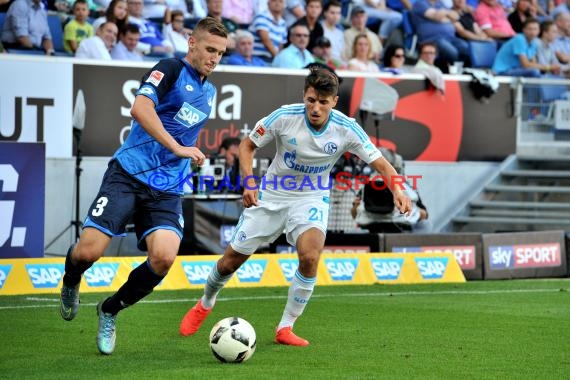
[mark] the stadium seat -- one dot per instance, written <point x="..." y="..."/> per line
<point x="56" y="29"/>
<point x="2" y="19"/>
<point x="482" y="53"/>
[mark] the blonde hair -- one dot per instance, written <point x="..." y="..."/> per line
<point x="359" y="36"/>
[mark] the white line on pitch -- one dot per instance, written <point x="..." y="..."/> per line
<point x="53" y="301"/>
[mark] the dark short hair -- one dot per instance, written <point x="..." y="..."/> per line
<point x="129" y="28"/>
<point x="332" y="3"/>
<point x="228" y="142"/>
<point x="323" y="80"/>
<point x="322" y="41"/>
<point x="212" y="26"/>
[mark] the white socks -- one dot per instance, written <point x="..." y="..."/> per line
<point x="299" y="294"/>
<point x="214" y="284"/>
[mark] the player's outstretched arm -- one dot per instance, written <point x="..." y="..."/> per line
<point x="246" y="152"/>
<point x="395" y="184"/>
<point x="145" y="114"/>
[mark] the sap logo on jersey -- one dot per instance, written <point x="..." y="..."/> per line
<point x="341" y="269"/>
<point x="387" y="269"/>
<point x="189" y="116"/>
<point x="101" y="274"/>
<point x="432" y="268"/>
<point x="288" y="268"/>
<point x="4" y="272"/>
<point x="45" y="275"/>
<point x="197" y="271"/>
<point x="251" y="271"/>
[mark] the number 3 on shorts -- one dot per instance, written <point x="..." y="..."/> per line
<point x="315" y="215"/>
<point x="100" y="207"/>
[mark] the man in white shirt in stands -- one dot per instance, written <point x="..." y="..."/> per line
<point x="99" y="46"/>
<point x="126" y="48"/>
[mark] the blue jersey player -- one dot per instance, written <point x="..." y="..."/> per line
<point x="294" y="197"/>
<point x="142" y="179"/>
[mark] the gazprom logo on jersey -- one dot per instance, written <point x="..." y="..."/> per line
<point x="252" y="270"/>
<point x="341" y="269"/>
<point x="290" y="160"/>
<point x="4" y="272"/>
<point x="288" y="268"/>
<point x="101" y="274"/>
<point x="431" y="268"/>
<point x="387" y="269"/>
<point x="45" y="275"/>
<point x="189" y="116"/>
<point x="197" y="271"/>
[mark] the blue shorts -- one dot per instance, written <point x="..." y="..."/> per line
<point x="122" y="200"/>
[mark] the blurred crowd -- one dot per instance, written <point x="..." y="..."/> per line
<point x="526" y="37"/>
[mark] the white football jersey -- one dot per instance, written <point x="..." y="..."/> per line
<point x="305" y="157"/>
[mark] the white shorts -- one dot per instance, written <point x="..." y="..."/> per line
<point x="265" y="222"/>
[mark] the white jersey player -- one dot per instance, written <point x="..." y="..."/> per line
<point x="293" y="196"/>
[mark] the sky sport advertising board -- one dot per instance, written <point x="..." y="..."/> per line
<point x="524" y="255"/>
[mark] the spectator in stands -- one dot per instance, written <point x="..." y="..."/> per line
<point x="322" y="54"/>
<point x="4" y="5"/>
<point x="78" y="28"/>
<point x="99" y="46"/>
<point x="544" y="8"/>
<point x="524" y="9"/>
<point x="358" y="19"/>
<point x="562" y="7"/>
<point x="241" y="12"/>
<point x="435" y="23"/>
<point x="199" y="8"/>
<point x="269" y="30"/>
<point x="361" y="58"/>
<point x="465" y="26"/>
<point x="391" y="19"/>
<point x="492" y="18"/>
<point x="294" y="11"/>
<point x="393" y="59"/>
<point x="155" y="43"/>
<point x="313" y="11"/>
<point x="215" y="11"/>
<point x="229" y="151"/>
<point x="126" y="48"/>
<point x="26" y="27"/>
<point x="116" y="12"/>
<point x="394" y="221"/>
<point x="243" y="54"/>
<point x="426" y="66"/>
<point x="174" y="31"/>
<point x="545" y="54"/>
<point x="296" y="55"/>
<point x="332" y="29"/>
<point x="517" y="57"/>
<point x="562" y="44"/>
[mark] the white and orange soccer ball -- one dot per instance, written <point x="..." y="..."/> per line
<point x="233" y="340"/>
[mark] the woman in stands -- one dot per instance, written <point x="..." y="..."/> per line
<point x="116" y="13"/>
<point x="361" y="59"/>
<point x="393" y="59"/>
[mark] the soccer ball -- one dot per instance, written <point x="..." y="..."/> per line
<point x="233" y="340"/>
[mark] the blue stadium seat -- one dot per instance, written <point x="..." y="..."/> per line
<point x="482" y="53"/>
<point x="56" y="29"/>
<point x="2" y="19"/>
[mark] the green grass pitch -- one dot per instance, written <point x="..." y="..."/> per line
<point x="477" y="330"/>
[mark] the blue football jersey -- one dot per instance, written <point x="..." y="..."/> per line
<point x="183" y="103"/>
